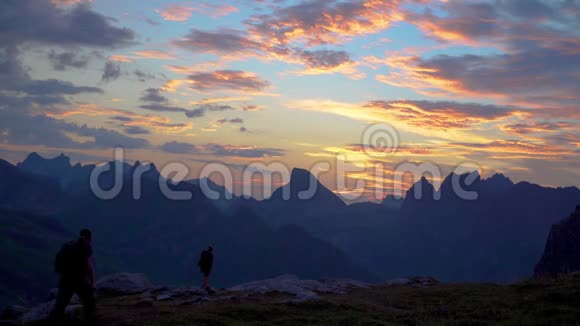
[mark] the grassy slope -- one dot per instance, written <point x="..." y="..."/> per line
<point x="553" y="302"/>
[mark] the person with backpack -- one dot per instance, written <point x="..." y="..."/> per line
<point x="75" y="267"/>
<point x="205" y="264"/>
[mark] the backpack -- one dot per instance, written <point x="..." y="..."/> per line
<point x="68" y="258"/>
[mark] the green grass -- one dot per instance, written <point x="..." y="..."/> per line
<point x="550" y="302"/>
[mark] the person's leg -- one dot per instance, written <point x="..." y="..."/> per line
<point x="205" y="280"/>
<point x="65" y="293"/>
<point x="87" y="297"/>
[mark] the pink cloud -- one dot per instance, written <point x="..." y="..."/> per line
<point x="69" y="2"/>
<point x="182" y="12"/>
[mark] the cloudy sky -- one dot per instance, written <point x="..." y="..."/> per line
<point x="495" y="83"/>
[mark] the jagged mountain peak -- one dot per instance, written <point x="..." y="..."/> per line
<point x="299" y="171"/>
<point x="467" y="181"/>
<point x="499" y="179"/>
<point x="422" y="190"/>
<point x="306" y="188"/>
<point x="423" y="183"/>
<point x="473" y="174"/>
<point x="300" y="179"/>
<point x="499" y="176"/>
<point x="34" y="157"/>
<point x="56" y="167"/>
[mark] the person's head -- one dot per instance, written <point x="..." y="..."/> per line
<point x="86" y="235"/>
<point x="210" y="248"/>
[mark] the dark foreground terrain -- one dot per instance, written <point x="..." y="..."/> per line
<point x="537" y="302"/>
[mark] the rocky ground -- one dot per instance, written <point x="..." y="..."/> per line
<point x="129" y="299"/>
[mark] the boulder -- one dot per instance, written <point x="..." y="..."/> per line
<point x="38" y="313"/>
<point x="424" y="281"/>
<point x="164" y="297"/>
<point x="123" y="284"/>
<point x="42" y="312"/>
<point x="53" y="293"/>
<point x="417" y="281"/>
<point x="146" y="294"/>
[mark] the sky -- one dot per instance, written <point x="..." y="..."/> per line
<point x="491" y="84"/>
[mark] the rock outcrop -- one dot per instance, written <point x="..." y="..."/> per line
<point x="562" y="251"/>
<point x="418" y="281"/>
<point x="41" y="312"/>
<point x="123" y="284"/>
<point x="302" y="289"/>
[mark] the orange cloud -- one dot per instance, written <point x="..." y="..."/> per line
<point x="518" y="78"/>
<point x="188" y="70"/>
<point x="220" y="100"/>
<point x="406" y="150"/>
<point x="174" y="84"/>
<point x="121" y="58"/>
<point x="516" y="149"/>
<point x="444" y="115"/>
<point x="406" y="72"/>
<point x="538" y="127"/>
<point x="176" y="12"/>
<point x="537" y="64"/>
<point x="182" y="12"/>
<point x="234" y="45"/>
<point x="436" y="115"/>
<point x="251" y="107"/>
<point x="235" y="80"/>
<point x="145" y="54"/>
<point x="69" y="2"/>
<point x="154" y="54"/>
<point x="321" y="22"/>
<point x="126" y="118"/>
<point x="324" y="62"/>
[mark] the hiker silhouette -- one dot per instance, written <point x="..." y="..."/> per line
<point x="75" y="267"/>
<point x="205" y="264"/>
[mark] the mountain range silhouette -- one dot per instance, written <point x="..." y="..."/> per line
<point x="498" y="237"/>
